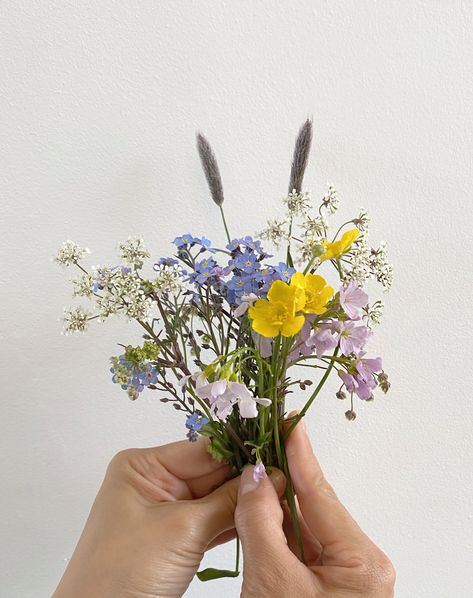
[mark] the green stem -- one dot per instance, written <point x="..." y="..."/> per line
<point x="291" y="503"/>
<point x="312" y="397"/>
<point x="225" y="224"/>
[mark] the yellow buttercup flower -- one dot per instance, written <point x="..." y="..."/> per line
<point x="278" y="313"/>
<point x="313" y="290"/>
<point x="338" y="248"/>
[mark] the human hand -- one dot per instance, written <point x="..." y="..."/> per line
<point x="341" y="560"/>
<point x="155" y="515"/>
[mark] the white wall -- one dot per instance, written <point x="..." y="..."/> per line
<point x="100" y="104"/>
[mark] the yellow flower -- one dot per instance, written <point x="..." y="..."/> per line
<point x="313" y="290"/>
<point x="338" y="248"/>
<point x="278" y="313"/>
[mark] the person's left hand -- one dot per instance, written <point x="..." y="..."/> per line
<point x="157" y="512"/>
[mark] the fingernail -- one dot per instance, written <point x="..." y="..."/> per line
<point x="251" y="477"/>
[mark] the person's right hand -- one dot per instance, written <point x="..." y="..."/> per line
<point x="341" y="560"/>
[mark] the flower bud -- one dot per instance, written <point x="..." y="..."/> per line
<point x="350" y="415"/>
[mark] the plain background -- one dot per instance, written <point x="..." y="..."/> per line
<point x="100" y="105"/>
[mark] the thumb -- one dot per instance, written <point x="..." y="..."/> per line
<point x="258" y="515"/>
<point x="219" y="507"/>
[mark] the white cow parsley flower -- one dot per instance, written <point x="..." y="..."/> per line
<point x="70" y="253"/>
<point x="75" y="320"/>
<point x="330" y="201"/>
<point x="133" y="252"/>
<point x="298" y="204"/>
<point x="169" y="279"/>
<point x="83" y="286"/>
<point x="276" y="232"/>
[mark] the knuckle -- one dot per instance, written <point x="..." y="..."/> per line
<point x="257" y="512"/>
<point x="377" y="577"/>
<point x="122" y="460"/>
<point x="320" y="486"/>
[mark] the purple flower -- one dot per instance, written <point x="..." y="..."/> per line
<point x="355" y="384"/>
<point x="223" y="395"/>
<point x="323" y="340"/>
<point x="259" y="472"/>
<point x="218" y="271"/>
<point x="363" y="381"/>
<point x="352" y="297"/>
<point x="368" y="367"/>
<point x="352" y="338"/>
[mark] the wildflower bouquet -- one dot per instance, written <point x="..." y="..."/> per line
<point x="227" y="330"/>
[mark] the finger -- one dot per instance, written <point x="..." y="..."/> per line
<point x="219" y="506"/>
<point x="324" y="514"/>
<point x="177" y="471"/>
<point x="258" y="520"/>
<point x="223" y="538"/>
<point x="187" y="460"/>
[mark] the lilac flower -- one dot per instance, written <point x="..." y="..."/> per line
<point x="368" y="367"/>
<point x="263" y="344"/>
<point x="352" y="338"/>
<point x="218" y="271"/>
<point x="223" y="395"/>
<point x="246" y="302"/>
<point x="363" y="381"/>
<point x="323" y="340"/>
<point x="259" y="472"/>
<point x="360" y="387"/>
<point x="246" y="401"/>
<point x="352" y="297"/>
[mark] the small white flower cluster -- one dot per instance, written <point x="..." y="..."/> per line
<point x="276" y="232"/>
<point x="306" y="250"/>
<point x="169" y="279"/>
<point x="83" y="286"/>
<point x="380" y="266"/>
<point x="366" y="262"/>
<point x="330" y="202"/>
<point x="359" y="268"/>
<point x="362" y="221"/>
<point x="121" y="290"/>
<point x="75" y="319"/>
<point x="70" y="253"/>
<point x="372" y="313"/>
<point x="298" y="203"/>
<point x="315" y="228"/>
<point x="133" y="252"/>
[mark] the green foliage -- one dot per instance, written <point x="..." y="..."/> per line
<point x="149" y="351"/>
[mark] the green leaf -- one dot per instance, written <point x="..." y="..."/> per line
<point x="211" y="573"/>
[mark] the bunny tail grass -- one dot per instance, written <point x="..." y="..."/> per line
<point x="301" y="156"/>
<point x="210" y="166"/>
